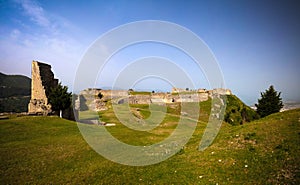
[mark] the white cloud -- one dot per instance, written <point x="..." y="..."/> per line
<point x="47" y="21"/>
<point x="35" y="12"/>
<point x="46" y="37"/>
<point x="15" y="33"/>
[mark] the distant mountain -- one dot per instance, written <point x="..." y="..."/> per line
<point x="288" y="105"/>
<point x="14" y="93"/>
<point x="14" y="85"/>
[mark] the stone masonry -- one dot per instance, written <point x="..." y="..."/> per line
<point x="42" y="81"/>
<point x="88" y="98"/>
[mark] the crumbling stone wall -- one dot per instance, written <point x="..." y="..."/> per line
<point x="139" y="99"/>
<point x="88" y="98"/>
<point x="42" y="80"/>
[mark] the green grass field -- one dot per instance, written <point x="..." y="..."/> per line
<point x="50" y="150"/>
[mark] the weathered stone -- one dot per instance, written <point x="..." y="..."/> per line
<point x="222" y="91"/>
<point x="139" y="99"/>
<point x="90" y="99"/>
<point x="42" y="81"/>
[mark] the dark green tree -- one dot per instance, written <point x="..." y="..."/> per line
<point x="59" y="98"/>
<point x="269" y="103"/>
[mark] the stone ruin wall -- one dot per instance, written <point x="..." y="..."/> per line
<point x="42" y="80"/>
<point x="123" y="96"/>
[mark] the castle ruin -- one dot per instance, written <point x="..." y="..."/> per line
<point x="42" y="80"/>
<point x="88" y="99"/>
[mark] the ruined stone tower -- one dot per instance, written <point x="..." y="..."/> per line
<point x="42" y="80"/>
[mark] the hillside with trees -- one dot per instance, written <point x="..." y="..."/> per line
<point x="14" y="93"/>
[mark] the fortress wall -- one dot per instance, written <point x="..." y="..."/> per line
<point x="139" y="99"/>
<point x="42" y="80"/>
<point x="122" y="96"/>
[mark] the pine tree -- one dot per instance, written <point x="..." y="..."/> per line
<point x="269" y="103"/>
<point x="59" y="98"/>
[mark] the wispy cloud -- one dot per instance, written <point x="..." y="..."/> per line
<point x="35" y="12"/>
<point x="47" y="21"/>
<point x="15" y="33"/>
<point x="40" y="35"/>
<point x="52" y="32"/>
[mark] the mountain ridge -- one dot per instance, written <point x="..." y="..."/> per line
<point x="15" y="93"/>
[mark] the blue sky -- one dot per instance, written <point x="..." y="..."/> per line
<point x="256" y="43"/>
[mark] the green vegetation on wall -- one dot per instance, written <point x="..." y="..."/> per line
<point x="139" y="93"/>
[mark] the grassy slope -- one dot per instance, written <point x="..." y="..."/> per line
<point x="139" y="93"/>
<point x="237" y="112"/>
<point x="51" y="150"/>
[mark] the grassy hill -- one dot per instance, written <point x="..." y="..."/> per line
<point x="14" y="93"/>
<point x="50" y="150"/>
<point x="238" y="113"/>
